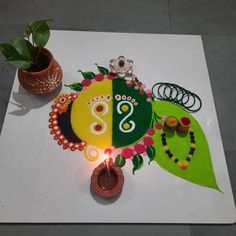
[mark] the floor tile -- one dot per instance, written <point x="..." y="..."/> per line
<point x="203" y="17"/>
<point x="95" y="229"/>
<point x="103" y="15"/>
<point x="7" y="73"/>
<point x="213" y="230"/>
<point x="231" y="163"/>
<point x="221" y="58"/>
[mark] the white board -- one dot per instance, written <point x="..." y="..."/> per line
<point x="41" y="182"/>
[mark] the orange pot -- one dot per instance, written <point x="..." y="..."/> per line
<point x="107" y="186"/>
<point x="45" y="81"/>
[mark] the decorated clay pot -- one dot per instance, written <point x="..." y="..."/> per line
<point x="107" y="184"/>
<point x="184" y="124"/>
<point x="171" y="122"/>
<point x="44" y="81"/>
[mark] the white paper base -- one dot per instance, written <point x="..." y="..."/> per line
<point x="40" y="182"/>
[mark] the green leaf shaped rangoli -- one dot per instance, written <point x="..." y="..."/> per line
<point x="200" y="170"/>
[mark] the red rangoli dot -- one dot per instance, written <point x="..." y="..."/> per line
<point x="139" y="148"/>
<point x="148" y="141"/>
<point x="98" y="127"/>
<point x="99" y="108"/>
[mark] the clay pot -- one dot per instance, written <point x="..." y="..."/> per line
<point x="171" y="122"/>
<point x="42" y="82"/>
<point x="183" y="125"/>
<point x="104" y="185"/>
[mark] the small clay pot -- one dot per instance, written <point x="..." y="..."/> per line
<point x="45" y="81"/>
<point x="184" y="124"/>
<point x="104" y="185"/>
<point x="171" y="122"/>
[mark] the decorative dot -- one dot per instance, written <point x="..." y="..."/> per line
<point x="99" y="108"/>
<point x="158" y="126"/>
<point x="126" y="125"/>
<point x="151" y="131"/>
<point x="123" y="97"/>
<point x="118" y="97"/>
<point x="98" y="127"/>
<point x="133" y="100"/>
<point x="127" y="153"/>
<point x="124" y="108"/>
<point x="71" y="144"/>
<point x="139" y="148"/>
<point x="148" y="141"/>
<point x="129" y="98"/>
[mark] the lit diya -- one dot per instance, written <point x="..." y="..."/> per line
<point x="107" y="179"/>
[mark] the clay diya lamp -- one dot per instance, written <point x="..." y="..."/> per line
<point x="107" y="179"/>
<point x="171" y="123"/>
<point x="184" y="124"/>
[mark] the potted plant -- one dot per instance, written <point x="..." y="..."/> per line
<point x="38" y="71"/>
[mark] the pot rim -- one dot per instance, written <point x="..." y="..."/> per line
<point x="45" y="51"/>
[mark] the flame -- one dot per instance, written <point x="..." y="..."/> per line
<point x="107" y="156"/>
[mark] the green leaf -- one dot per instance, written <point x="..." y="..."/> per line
<point x="41" y="34"/>
<point x="200" y="170"/>
<point x="23" y="47"/>
<point x="8" y="50"/>
<point x="87" y="74"/>
<point x="19" y="62"/>
<point x="151" y="152"/>
<point x="33" y="26"/>
<point x="102" y="70"/>
<point x="136" y="80"/>
<point x="75" y="86"/>
<point x="120" y="161"/>
<point x="137" y="162"/>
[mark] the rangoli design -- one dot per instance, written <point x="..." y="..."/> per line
<point x="113" y="112"/>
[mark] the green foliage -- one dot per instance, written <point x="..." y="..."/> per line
<point x="137" y="162"/>
<point x="23" y="52"/>
<point x="87" y="74"/>
<point x="75" y="86"/>
<point x="120" y="161"/>
<point x="102" y="70"/>
<point x="151" y="152"/>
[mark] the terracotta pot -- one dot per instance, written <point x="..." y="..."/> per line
<point x="107" y="186"/>
<point x="184" y="125"/>
<point x="42" y="82"/>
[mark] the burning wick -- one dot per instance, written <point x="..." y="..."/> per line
<point x="107" y="161"/>
<point x="108" y="172"/>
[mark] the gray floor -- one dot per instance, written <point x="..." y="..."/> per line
<point x="215" y="20"/>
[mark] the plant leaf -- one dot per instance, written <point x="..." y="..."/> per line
<point x="151" y="152"/>
<point x="137" y="162"/>
<point x="75" y="86"/>
<point x="102" y="70"/>
<point x="200" y="170"/>
<point x="23" y="47"/>
<point x="19" y="62"/>
<point x="33" y="26"/>
<point x="40" y="33"/>
<point x="120" y="161"/>
<point x="8" y="50"/>
<point x="87" y="74"/>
